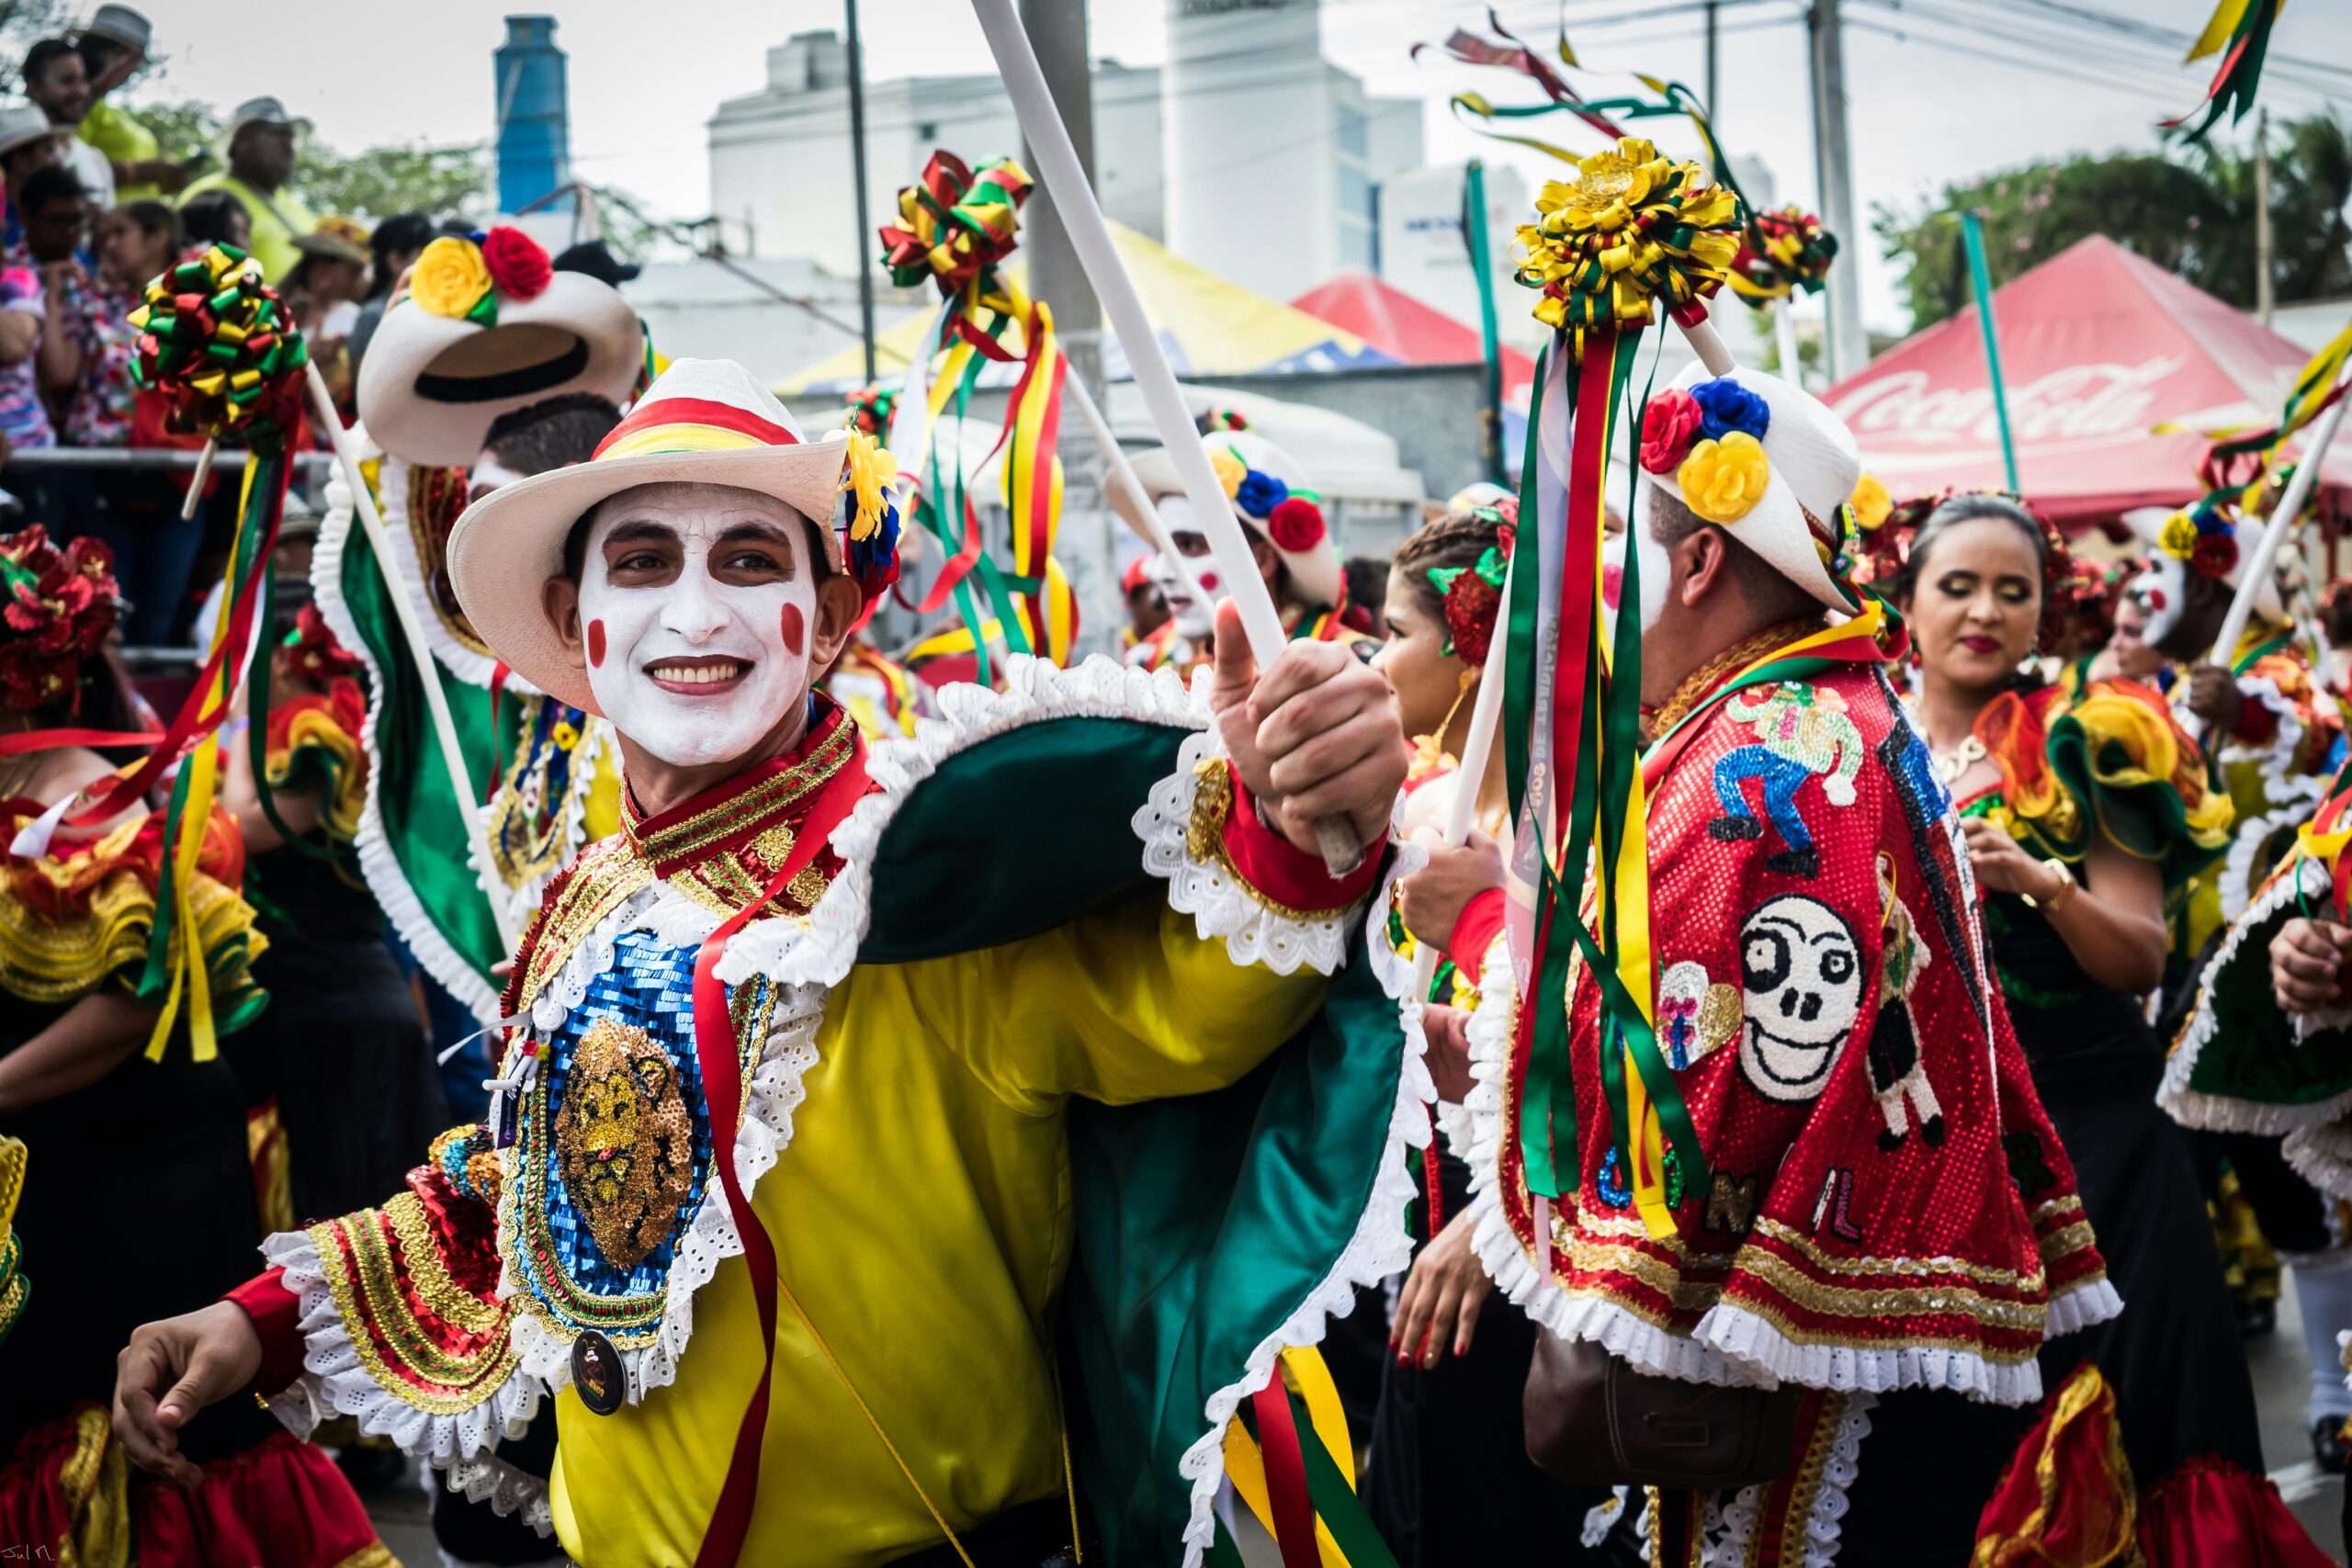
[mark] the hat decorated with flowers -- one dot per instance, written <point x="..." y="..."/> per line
<point x="59" y="607"/>
<point x="1764" y="459"/>
<point x="1269" y="492"/>
<point x="2210" y="539"/>
<point x="489" y="326"/>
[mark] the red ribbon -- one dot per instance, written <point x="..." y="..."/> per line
<point x="498" y="675"/>
<point x="57" y="740"/>
<point x="1286" y="1496"/>
<point x="716" y="1051"/>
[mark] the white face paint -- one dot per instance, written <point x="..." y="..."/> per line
<point x="1657" y="565"/>
<point x="2162" y="591"/>
<point x="1193" y="619"/>
<point x="697" y="604"/>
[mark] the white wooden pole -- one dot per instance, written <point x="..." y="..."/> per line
<point x="1486" y="714"/>
<point x="1064" y="180"/>
<point x="428" y="670"/>
<point x="2274" y="533"/>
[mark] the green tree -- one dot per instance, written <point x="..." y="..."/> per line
<point x="441" y="182"/>
<point x="2190" y="210"/>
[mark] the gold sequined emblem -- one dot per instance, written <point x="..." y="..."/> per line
<point x="625" y="1140"/>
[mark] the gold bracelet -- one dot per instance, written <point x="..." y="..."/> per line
<point x="2065" y="874"/>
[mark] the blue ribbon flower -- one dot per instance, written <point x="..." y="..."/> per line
<point x="1725" y="406"/>
<point x="1260" y="494"/>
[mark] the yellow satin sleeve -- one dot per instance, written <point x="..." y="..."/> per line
<point x="922" y="1213"/>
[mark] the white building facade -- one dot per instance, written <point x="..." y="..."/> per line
<point x="1248" y="154"/>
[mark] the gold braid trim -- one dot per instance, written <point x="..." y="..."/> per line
<point x="362" y="1274"/>
<point x="95" y="1484"/>
<point x="1213" y="798"/>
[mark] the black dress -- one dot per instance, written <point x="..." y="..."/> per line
<point x="341" y="1048"/>
<point x="136" y="1205"/>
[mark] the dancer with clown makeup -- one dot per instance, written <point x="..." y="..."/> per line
<point x="885" y="1135"/>
<point x="1283" y="516"/>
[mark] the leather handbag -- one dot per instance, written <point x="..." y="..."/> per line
<point x="1592" y="1420"/>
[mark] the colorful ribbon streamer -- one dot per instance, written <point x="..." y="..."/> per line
<point x="958" y="229"/>
<point x="2238" y="30"/>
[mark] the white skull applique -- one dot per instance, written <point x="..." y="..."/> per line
<point x="1800" y="990"/>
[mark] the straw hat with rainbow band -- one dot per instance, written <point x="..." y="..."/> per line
<point x="704" y="422"/>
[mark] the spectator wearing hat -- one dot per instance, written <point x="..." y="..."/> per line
<point x="54" y="82"/>
<point x="113" y="46"/>
<point x="259" y="146"/>
<point x="27" y="141"/>
<point x="323" y="292"/>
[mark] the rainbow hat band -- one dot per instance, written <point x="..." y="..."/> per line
<point x="704" y="422"/>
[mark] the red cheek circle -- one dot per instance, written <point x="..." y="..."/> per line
<point x="1612" y="580"/>
<point x="2156" y="599"/>
<point x="596" y="644"/>
<point x="1208" y="582"/>
<point x="794" y="631"/>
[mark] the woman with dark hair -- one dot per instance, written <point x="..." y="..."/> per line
<point x="2088" y="810"/>
<point x="216" y="218"/>
<point x="1448" y="1479"/>
<point x="396" y="243"/>
<point x="138" y="1196"/>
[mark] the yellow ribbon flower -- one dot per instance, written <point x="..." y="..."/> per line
<point x="871" y="471"/>
<point x="1723" y="480"/>
<point x="2178" y="535"/>
<point x="1870" y="503"/>
<point x="1230" y="471"/>
<point x="449" y="278"/>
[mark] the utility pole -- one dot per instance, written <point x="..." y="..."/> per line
<point x="1834" y="173"/>
<point x="2265" y="292"/>
<point x="1057" y="31"/>
<point x="857" y="173"/>
<point x="1714" y="108"/>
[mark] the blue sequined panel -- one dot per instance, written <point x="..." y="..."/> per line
<point x="648" y="987"/>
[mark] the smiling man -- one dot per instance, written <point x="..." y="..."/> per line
<point x="1023" y="1061"/>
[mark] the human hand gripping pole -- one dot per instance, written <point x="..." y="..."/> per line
<point x="1057" y="167"/>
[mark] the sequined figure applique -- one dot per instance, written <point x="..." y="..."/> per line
<point x="1802" y="732"/>
<point x="1898" y="1071"/>
<point x="613" y="1144"/>
<point x="1694" y="1015"/>
<point x="624" y="1142"/>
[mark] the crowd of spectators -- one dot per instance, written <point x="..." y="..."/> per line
<point x="94" y="208"/>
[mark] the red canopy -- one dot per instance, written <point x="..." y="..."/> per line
<point x="1402" y="327"/>
<point x="2096" y="346"/>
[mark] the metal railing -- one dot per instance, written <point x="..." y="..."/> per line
<point x="161" y="459"/>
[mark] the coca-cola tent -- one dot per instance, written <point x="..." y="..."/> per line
<point x="2097" y="345"/>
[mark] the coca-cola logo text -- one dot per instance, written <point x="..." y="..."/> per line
<point x="2080" y="401"/>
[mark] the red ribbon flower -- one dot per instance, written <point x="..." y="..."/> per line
<point x="516" y="261"/>
<point x="1470" y="605"/>
<point x="1669" y="424"/>
<point x="1295" y="524"/>
<point x="2214" y="555"/>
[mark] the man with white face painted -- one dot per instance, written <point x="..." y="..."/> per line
<point x="1801" y="850"/>
<point x="859" y="1017"/>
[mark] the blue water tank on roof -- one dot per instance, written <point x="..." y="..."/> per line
<point x="533" y="116"/>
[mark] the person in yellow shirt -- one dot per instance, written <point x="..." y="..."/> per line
<point x="113" y="46"/>
<point x="886" y="1130"/>
<point x="259" y="146"/>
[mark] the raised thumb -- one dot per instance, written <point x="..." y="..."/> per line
<point x="1237" y="671"/>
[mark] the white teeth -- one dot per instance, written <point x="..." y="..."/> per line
<point x="699" y="674"/>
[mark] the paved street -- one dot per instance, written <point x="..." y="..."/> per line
<point x="2281" y="1376"/>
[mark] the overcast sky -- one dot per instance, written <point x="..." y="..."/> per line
<point x="1968" y="85"/>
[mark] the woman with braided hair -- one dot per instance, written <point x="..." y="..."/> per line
<point x="2087" y="811"/>
<point x="1450" y="1480"/>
